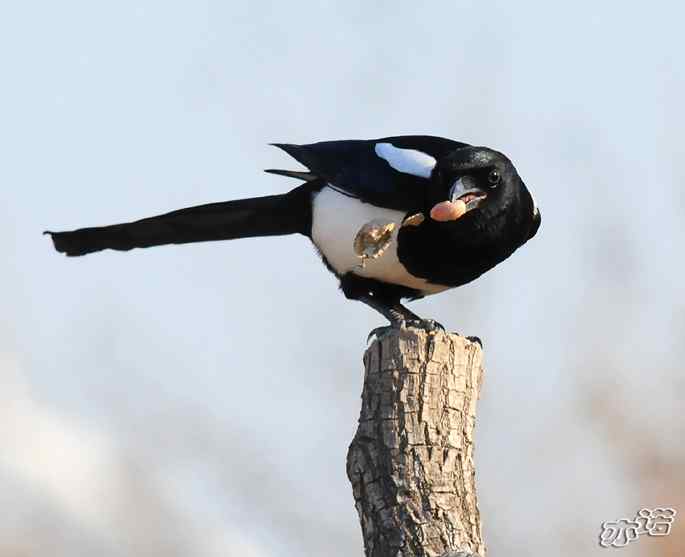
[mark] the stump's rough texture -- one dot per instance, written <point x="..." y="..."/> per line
<point x="411" y="460"/>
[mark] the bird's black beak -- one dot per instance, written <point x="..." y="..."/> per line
<point x="465" y="189"/>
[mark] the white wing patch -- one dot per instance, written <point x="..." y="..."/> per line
<point x="409" y="161"/>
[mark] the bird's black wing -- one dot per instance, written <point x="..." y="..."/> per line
<point x="392" y="172"/>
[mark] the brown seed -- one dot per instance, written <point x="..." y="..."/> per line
<point x="373" y="238"/>
<point x="414" y="220"/>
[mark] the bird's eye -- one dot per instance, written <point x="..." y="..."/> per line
<point x="494" y="178"/>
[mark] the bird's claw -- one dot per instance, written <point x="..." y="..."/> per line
<point x="379" y="332"/>
<point x="429" y="325"/>
<point x="475" y="339"/>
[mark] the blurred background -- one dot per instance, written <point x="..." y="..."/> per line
<point x="199" y="400"/>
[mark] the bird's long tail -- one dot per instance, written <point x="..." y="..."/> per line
<point x="272" y="215"/>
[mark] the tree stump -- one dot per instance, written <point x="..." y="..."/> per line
<point x="411" y="460"/>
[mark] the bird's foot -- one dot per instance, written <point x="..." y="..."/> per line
<point x="475" y="339"/>
<point x="429" y="325"/>
<point x="379" y="332"/>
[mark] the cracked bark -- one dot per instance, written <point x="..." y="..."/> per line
<point x="411" y="460"/>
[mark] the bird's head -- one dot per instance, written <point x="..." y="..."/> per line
<point x="489" y="186"/>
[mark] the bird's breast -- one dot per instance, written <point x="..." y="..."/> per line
<point x="336" y="220"/>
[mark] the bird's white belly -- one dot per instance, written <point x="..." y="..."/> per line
<point x="336" y="219"/>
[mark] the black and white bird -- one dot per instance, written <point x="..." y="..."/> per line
<point x="409" y="184"/>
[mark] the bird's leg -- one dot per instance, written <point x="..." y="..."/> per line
<point x="394" y="312"/>
<point x="385" y="299"/>
<point x="398" y="315"/>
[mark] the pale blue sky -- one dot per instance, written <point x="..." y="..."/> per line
<point x="193" y="399"/>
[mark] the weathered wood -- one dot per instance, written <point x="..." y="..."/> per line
<point x="411" y="460"/>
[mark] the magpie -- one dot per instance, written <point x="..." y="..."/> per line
<point x="449" y="211"/>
